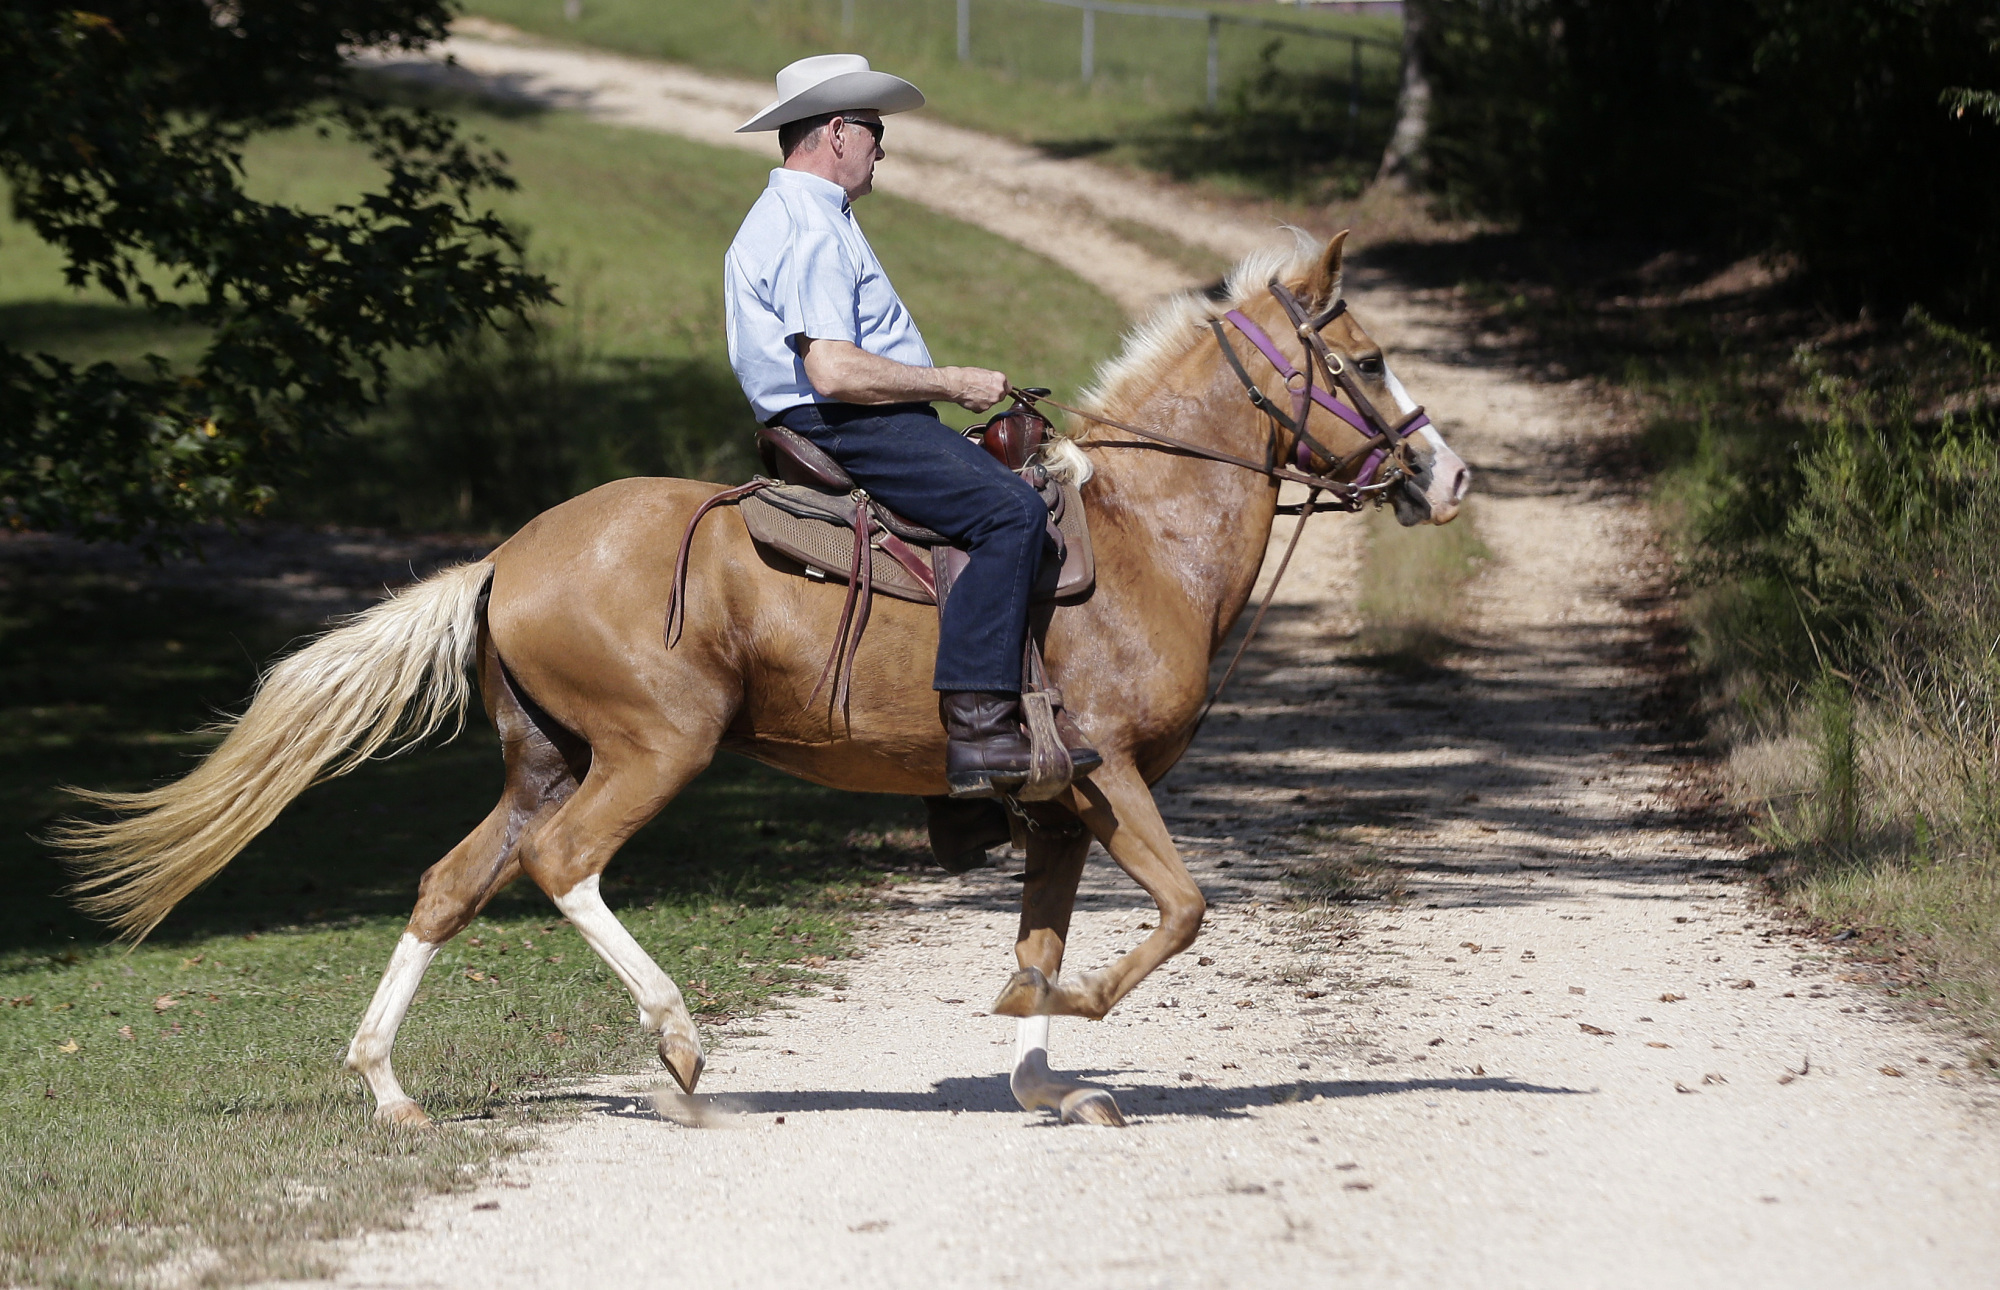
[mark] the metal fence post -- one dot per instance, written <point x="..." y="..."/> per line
<point x="1214" y="60"/>
<point x="964" y="30"/>
<point x="1089" y="43"/>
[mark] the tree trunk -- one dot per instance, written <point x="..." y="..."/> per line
<point x="1403" y="158"/>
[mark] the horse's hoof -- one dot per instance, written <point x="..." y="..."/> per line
<point x="405" y="1114"/>
<point x="1026" y="994"/>
<point x="1092" y="1106"/>
<point x="683" y="1061"/>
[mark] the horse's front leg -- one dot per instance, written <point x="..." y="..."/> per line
<point x="1117" y="807"/>
<point x="1055" y="863"/>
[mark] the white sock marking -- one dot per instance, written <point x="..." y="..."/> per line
<point x="659" y="999"/>
<point x="368" y="1054"/>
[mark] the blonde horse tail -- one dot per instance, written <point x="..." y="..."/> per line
<point x="391" y="675"/>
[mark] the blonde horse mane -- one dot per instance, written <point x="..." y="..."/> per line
<point x="1166" y="334"/>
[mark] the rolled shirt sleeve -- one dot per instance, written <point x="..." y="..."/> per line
<point x="814" y="290"/>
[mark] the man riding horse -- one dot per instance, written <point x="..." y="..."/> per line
<point x="824" y="347"/>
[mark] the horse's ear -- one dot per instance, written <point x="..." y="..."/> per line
<point x="1322" y="285"/>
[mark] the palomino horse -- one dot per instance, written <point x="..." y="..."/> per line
<point x="601" y="724"/>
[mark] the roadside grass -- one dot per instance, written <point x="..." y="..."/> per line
<point x="182" y="1106"/>
<point x="630" y="375"/>
<point x="1830" y="488"/>
<point x="1412" y="601"/>
<point x="1145" y="104"/>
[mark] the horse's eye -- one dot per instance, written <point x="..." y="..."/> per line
<point x="1369" y="366"/>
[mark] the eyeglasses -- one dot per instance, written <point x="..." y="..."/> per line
<point x="875" y="128"/>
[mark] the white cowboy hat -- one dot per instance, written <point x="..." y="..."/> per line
<point x="833" y="83"/>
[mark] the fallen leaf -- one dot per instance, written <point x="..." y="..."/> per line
<point x="124" y="1032"/>
<point x="1434" y="1043"/>
<point x="1245" y="1003"/>
<point x="1357" y="1186"/>
<point x="1713" y="1078"/>
<point x="1589" y="1029"/>
<point x="1682" y="1088"/>
<point x="471" y="975"/>
<point x="1204" y="961"/>
<point x="68" y="1046"/>
<point x="1786" y="1078"/>
<point x="164" y="1002"/>
<point x="191" y="962"/>
<point x="872" y="1225"/>
<point x="1745" y="984"/>
<point x="1890" y="1070"/>
<point x="1577" y="989"/>
<point x="1468" y="945"/>
<point x="951" y="1001"/>
<point x="1672" y="998"/>
<point x="487" y="1204"/>
<point x="1479" y="1070"/>
<point x="1654" y="1043"/>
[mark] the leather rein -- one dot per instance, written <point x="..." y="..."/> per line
<point x="1383" y="444"/>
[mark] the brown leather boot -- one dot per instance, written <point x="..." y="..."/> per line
<point x="986" y="752"/>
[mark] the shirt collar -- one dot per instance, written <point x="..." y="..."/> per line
<point x="825" y="189"/>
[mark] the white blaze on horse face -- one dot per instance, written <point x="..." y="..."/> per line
<point x="661" y="1007"/>
<point x="368" y="1054"/>
<point x="1449" y="477"/>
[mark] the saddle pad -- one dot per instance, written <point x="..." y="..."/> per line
<point x="811" y="533"/>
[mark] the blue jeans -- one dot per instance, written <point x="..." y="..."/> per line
<point x="929" y="473"/>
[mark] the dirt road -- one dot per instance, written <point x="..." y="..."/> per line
<point x="1576" y="1052"/>
<point x="1068" y="210"/>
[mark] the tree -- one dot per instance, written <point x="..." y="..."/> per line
<point x="122" y="132"/>
<point x="1402" y="157"/>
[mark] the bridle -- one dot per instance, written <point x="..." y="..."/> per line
<point x="1383" y="445"/>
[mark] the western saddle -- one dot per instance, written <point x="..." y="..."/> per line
<point x="807" y="511"/>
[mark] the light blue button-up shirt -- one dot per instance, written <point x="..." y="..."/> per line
<point x="800" y="267"/>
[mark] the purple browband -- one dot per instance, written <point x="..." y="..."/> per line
<point x="1256" y="336"/>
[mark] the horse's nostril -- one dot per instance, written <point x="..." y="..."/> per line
<point x="1461" y="485"/>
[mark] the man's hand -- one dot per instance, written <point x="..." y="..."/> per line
<point x="976" y="388"/>
<point x="846" y="373"/>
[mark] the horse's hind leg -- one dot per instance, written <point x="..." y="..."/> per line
<point x="453" y="891"/>
<point x="626" y="787"/>
<point x="1055" y="864"/>
<point x="543" y="766"/>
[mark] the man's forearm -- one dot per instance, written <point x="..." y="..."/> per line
<point x="846" y="373"/>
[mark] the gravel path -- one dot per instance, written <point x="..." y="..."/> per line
<point x="1575" y="1052"/>
<point x="1069" y="210"/>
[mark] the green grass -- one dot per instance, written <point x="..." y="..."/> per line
<point x="185" y="1101"/>
<point x="1025" y="78"/>
<point x="631" y="375"/>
